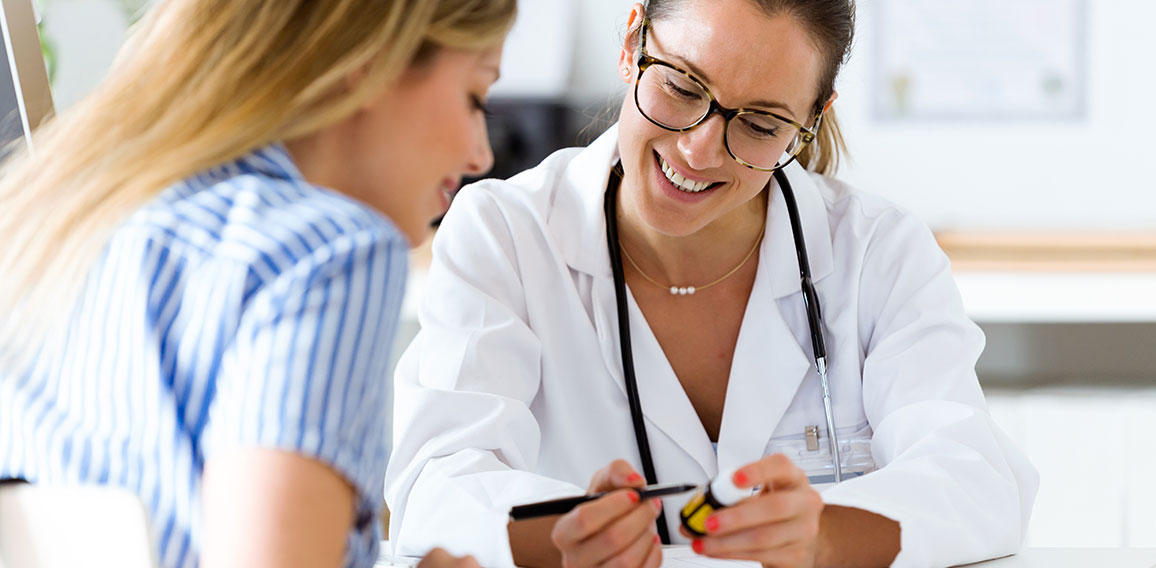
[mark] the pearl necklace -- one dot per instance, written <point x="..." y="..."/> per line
<point x="690" y="290"/>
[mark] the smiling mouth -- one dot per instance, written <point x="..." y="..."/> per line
<point x="680" y="183"/>
<point x="449" y="191"/>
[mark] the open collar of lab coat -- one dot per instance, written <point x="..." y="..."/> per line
<point x="769" y="363"/>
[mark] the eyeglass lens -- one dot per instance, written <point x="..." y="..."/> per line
<point x="675" y="101"/>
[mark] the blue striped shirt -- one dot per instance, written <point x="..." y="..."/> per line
<point x="241" y="307"/>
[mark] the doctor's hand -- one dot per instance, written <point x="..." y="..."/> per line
<point x="439" y="558"/>
<point x="616" y="530"/>
<point x="779" y="526"/>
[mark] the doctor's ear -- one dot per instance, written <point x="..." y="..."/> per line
<point x="830" y="101"/>
<point x="629" y="55"/>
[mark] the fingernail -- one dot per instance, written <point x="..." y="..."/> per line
<point x="656" y="503"/>
<point x="696" y="545"/>
<point x="634" y="497"/>
<point x="740" y="478"/>
<point x="711" y="524"/>
<point x="633" y="478"/>
<point x="657" y="539"/>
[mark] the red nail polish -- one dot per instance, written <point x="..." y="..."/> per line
<point x="634" y="497"/>
<point x="740" y="478"/>
<point x="696" y="545"/>
<point x="711" y="524"/>
<point x="633" y="478"/>
<point x="657" y="539"/>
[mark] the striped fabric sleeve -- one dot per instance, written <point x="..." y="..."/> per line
<point x="306" y="371"/>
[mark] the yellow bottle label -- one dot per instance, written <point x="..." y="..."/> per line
<point x="694" y="514"/>
<point x="695" y="501"/>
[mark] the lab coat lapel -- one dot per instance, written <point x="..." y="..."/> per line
<point x="664" y="401"/>
<point x="766" y="372"/>
<point x="665" y="406"/>
<point x="769" y="362"/>
<point x="816" y="231"/>
<point x="578" y="221"/>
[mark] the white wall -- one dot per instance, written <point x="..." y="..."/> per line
<point x="565" y="49"/>
<point x="85" y="36"/>
<point x="1093" y="173"/>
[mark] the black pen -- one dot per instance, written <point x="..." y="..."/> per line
<point x="565" y="504"/>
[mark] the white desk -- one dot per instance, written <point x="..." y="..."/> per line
<point x="1028" y="558"/>
<point x="1076" y="558"/>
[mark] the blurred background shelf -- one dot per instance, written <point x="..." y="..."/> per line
<point x="1054" y="276"/>
<point x="1095" y="252"/>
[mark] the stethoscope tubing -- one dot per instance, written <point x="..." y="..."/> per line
<point x="635" y="401"/>
<point x="810" y="300"/>
<point x="814" y="316"/>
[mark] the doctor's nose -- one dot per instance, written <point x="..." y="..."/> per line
<point x="703" y="146"/>
<point x="481" y="157"/>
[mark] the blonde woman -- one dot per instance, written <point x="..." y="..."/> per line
<point x="205" y="258"/>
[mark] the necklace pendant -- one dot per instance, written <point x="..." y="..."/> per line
<point x="682" y="290"/>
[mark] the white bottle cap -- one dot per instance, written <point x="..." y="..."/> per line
<point x="725" y="491"/>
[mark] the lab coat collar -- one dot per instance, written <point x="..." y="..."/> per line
<point x="769" y="364"/>
<point x="767" y="369"/>
<point x="579" y="225"/>
<point x="779" y="246"/>
<point x="576" y="218"/>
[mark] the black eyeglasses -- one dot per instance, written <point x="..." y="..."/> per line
<point x="677" y="101"/>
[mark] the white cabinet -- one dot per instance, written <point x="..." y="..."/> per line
<point x="1094" y="451"/>
<point x="1140" y="465"/>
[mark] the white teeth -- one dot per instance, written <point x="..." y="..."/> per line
<point x="681" y="182"/>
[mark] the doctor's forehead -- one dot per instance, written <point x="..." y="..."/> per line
<point x="743" y="54"/>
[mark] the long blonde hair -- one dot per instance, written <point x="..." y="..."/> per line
<point x="199" y="83"/>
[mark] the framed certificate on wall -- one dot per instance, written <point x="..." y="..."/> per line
<point x="979" y="59"/>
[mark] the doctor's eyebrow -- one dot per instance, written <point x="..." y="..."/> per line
<point x="703" y="76"/>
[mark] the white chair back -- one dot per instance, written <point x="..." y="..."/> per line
<point x="73" y="526"/>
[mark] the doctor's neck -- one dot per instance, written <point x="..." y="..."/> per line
<point x="684" y="245"/>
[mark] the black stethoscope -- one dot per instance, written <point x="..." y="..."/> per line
<point x="810" y="300"/>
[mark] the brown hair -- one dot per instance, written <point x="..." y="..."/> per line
<point x="831" y="25"/>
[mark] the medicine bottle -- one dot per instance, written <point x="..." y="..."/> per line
<point x="721" y="492"/>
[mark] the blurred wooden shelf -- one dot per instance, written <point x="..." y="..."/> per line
<point x="1050" y="251"/>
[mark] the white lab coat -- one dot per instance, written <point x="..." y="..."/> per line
<point x="513" y="390"/>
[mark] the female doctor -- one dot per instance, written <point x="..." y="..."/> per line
<point x="637" y="307"/>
